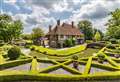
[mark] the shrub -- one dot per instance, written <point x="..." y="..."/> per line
<point x="44" y="52"/>
<point x="75" y="57"/>
<point x="68" y="43"/>
<point x="55" y="54"/>
<point x="113" y="41"/>
<point x="118" y="41"/>
<point x="97" y="36"/>
<point x="101" y="58"/>
<point x="38" y="51"/>
<point x="100" y="61"/>
<point x="89" y="41"/>
<point x="14" y="53"/>
<point x="73" y="42"/>
<point x="32" y="48"/>
<point x="110" y="46"/>
<point x="27" y="46"/>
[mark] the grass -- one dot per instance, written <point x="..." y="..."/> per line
<point x="88" y="52"/>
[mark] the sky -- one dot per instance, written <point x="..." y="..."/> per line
<point x="42" y="13"/>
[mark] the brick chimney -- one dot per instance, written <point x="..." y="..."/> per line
<point x="72" y="24"/>
<point x="50" y="28"/>
<point x="58" y="22"/>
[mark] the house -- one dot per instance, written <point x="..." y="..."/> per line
<point x="61" y="32"/>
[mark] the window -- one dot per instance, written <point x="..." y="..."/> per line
<point x="62" y="36"/>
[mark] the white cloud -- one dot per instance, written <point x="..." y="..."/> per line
<point x="40" y="15"/>
<point x="61" y="6"/>
<point x="38" y="18"/>
<point x="96" y="12"/>
<point x="10" y="1"/>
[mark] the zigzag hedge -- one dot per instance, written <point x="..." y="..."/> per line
<point x="61" y="53"/>
<point x="37" y="74"/>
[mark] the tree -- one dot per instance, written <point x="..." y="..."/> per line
<point x="113" y="30"/>
<point x="68" y="42"/>
<point x="101" y="33"/>
<point x="37" y="33"/>
<point x="97" y="36"/>
<point x="9" y="29"/>
<point x="86" y="27"/>
<point x="26" y="36"/>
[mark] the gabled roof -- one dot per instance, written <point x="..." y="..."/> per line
<point x="65" y="29"/>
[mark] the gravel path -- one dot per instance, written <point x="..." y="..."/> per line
<point x="25" y="67"/>
<point x="60" y="71"/>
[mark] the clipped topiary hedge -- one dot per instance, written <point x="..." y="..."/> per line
<point x="14" y="53"/>
<point x="19" y="76"/>
<point x="88" y="66"/>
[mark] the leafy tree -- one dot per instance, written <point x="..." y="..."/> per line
<point x="86" y="27"/>
<point x="37" y="33"/>
<point x="101" y="33"/>
<point x="73" y="41"/>
<point x="113" y="30"/>
<point x="97" y="36"/>
<point x="9" y="29"/>
<point x="26" y="36"/>
<point x="68" y="42"/>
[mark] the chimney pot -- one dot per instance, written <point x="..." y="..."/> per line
<point x="50" y="28"/>
<point x="58" y="22"/>
<point x="72" y="24"/>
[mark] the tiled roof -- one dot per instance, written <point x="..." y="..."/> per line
<point x="65" y="29"/>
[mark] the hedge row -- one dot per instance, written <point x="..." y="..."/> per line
<point x="116" y="60"/>
<point x="88" y="66"/>
<point x="51" y="77"/>
<point x="45" y="60"/>
<point x="61" y="53"/>
<point x="2" y="60"/>
<point x="110" y="60"/>
<point x="105" y="67"/>
<point x="34" y="66"/>
<point x="110" y="51"/>
<point x="19" y="76"/>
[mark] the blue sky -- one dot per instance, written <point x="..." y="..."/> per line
<point x="42" y="13"/>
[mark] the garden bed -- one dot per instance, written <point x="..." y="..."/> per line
<point x="24" y="67"/>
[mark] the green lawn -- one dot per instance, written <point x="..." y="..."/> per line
<point x="88" y="52"/>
